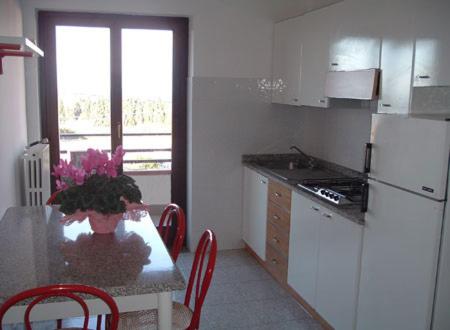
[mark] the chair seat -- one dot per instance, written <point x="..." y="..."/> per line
<point x="148" y="319"/>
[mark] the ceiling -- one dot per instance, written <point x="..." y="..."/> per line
<point x="279" y="10"/>
<point x="283" y="9"/>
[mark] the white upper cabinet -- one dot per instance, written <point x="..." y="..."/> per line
<point x="432" y="58"/>
<point x="286" y="68"/>
<point x="355" y="42"/>
<point x="316" y="45"/>
<point x="397" y="48"/>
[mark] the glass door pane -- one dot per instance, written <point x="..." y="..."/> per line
<point x="83" y="75"/>
<point x="147" y="99"/>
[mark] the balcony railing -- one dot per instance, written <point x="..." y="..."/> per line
<point x="161" y="165"/>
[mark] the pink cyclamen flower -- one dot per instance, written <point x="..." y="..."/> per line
<point x="61" y="185"/>
<point x="95" y="160"/>
<point x="117" y="157"/>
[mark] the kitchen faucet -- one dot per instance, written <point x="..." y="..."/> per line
<point x="311" y="162"/>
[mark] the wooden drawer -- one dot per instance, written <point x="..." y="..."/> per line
<point x="278" y="239"/>
<point x="280" y="195"/>
<point x="279" y="217"/>
<point x="276" y="264"/>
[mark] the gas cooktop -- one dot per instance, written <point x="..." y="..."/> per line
<point x="338" y="191"/>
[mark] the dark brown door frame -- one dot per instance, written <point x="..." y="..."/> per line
<point x="48" y="20"/>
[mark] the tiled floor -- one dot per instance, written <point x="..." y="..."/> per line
<point x="242" y="296"/>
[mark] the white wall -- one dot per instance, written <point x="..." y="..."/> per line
<point x="13" y="133"/>
<point x="338" y="134"/>
<point x="155" y="189"/>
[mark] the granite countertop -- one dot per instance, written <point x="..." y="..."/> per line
<point x="37" y="250"/>
<point x="262" y="164"/>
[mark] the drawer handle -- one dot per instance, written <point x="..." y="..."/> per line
<point x="275" y="217"/>
<point x="334" y="64"/>
<point x="275" y="239"/>
<point x="327" y="215"/>
<point x="423" y="77"/>
<point x="277" y="194"/>
<point x="274" y="261"/>
<point x="315" y="208"/>
<point x="386" y="105"/>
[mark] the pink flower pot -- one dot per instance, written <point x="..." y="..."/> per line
<point x="104" y="223"/>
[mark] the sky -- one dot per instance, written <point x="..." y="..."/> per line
<point x="83" y="62"/>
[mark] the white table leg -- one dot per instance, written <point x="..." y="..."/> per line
<point x="165" y="310"/>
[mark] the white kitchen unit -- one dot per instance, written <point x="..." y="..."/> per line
<point x="304" y="247"/>
<point x="397" y="48"/>
<point x="255" y="211"/>
<point x="286" y="66"/>
<point x="432" y="58"/>
<point x="338" y="269"/>
<point x="315" y="49"/>
<point x="355" y="43"/>
<point x="401" y="243"/>
<point x="403" y="234"/>
<point x="324" y="261"/>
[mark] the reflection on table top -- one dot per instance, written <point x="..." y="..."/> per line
<point x="37" y="250"/>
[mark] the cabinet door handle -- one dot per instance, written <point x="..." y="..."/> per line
<point x="327" y="215"/>
<point x="263" y="182"/>
<point x="277" y="194"/>
<point x="315" y="208"/>
<point x="321" y="101"/>
<point x="386" y="105"/>
<point x="295" y="99"/>
<point x="275" y="239"/>
<point x="275" y="217"/>
<point x="274" y="261"/>
<point x="334" y="64"/>
<point x="423" y="77"/>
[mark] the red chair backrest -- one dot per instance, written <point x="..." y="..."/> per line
<point x="63" y="290"/>
<point x="201" y="277"/>
<point x="52" y="198"/>
<point x="165" y="228"/>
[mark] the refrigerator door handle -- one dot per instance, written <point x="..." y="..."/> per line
<point x="365" y="197"/>
<point x="368" y="158"/>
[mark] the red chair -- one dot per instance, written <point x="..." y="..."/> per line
<point x="63" y="290"/>
<point x="170" y="236"/>
<point x="52" y="198"/>
<point x="183" y="317"/>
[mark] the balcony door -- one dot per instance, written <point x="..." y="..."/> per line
<point x="109" y="80"/>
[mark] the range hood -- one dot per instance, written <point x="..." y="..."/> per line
<point x="358" y="84"/>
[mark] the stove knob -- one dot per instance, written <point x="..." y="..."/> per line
<point x="336" y="198"/>
<point x="322" y="192"/>
<point x="327" y="193"/>
<point x="331" y="195"/>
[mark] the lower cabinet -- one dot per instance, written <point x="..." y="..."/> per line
<point x="255" y="211"/>
<point x="324" y="261"/>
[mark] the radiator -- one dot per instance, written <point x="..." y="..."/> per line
<point x="36" y="167"/>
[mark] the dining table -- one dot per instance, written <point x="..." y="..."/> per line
<point x="132" y="264"/>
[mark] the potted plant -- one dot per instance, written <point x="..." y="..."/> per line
<point x="96" y="191"/>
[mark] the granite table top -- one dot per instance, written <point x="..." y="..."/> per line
<point x="37" y="250"/>
<point x="261" y="164"/>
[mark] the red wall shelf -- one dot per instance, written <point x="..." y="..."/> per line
<point x="17" y="46"/>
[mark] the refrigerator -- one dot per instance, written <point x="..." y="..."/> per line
<point x="405" y="266"/>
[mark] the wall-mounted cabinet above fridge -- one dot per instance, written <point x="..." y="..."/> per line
<point x="432" y="58"/>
